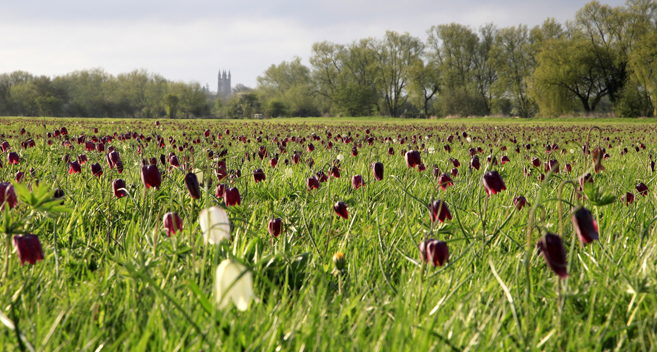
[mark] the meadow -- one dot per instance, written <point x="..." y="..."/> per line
<point x="470" y="235"/>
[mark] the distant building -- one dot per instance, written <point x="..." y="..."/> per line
<point x="223" y="87"/>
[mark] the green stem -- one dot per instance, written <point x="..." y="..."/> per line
<point x="561" y="186"/>
<point x="56" y="252"/>
<point x="7" y="257"/>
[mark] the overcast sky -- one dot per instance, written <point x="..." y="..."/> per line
<point x="192" y="40"/>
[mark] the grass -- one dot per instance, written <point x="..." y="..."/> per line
<point x="119" y="283"/>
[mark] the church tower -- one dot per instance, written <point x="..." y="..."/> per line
<point x="224" y="89"/>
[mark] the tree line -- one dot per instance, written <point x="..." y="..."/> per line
<point x="605" y="60"/>
<point x="95" y="93"/>
<point x="602" y="61"/>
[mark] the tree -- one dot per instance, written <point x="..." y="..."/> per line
<point x="567" y="64"/>
<point x="353" y="99"/>
<point x="240" y="88"/>
<point x="347" y="76"/>
<point x="612" y="33"/>
<point x="484" y="74"/>
<point x="397" y="54"/>
<point x="88" y="91"/>
<point x="513" y="61"/>
<point x="285" y="76"/>
<point x="466" y="70"/>
<point x="643" y="62"/>
<point x="424" y="83"/>
<point x="218" y="107"/>
<point x="289" y="83"/>
<point x="171" y="105"/>
<point x="48" y="105"/>
<point x="23" y="98"/>
<point x="243" y="104"/>
<point x="276" y="108"/>
<point x="360" y="74"/>
<point x="193" y="100"/>
<point x="453" y="47"/>
<point x="326" y="61"/>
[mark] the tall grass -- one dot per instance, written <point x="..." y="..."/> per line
<point x="119" y="283"/>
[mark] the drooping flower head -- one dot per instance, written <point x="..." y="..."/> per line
<point x="151" y="176"/>
<point x="13" y="158"/>
<point x="96" y="170"/>
<point x="118" y="187"/>
<point x="7" y="195"/>
<point x="444" y="180"/>
<point x="585" y="226"/>
<point x="232" y="196"/>
<point x="356" y="181"/>
<point x="74" y="168"/>
<point x="434" y="252"/>
<point x="341" y="209"/>
<point x="597" y="154"/>
<point x="172" y="223"/>
<point x="493" y="182"/>
<point x="259" y="175"/>
<point x="551" y="165"/>
<point x="554" y="253"/>
<point x="377" y="169"/>
<point x="519" y="202"/>
<point x="28" y="248"/>
<point x="438" y="210"/>
<point x="312" y="183"/>
<point x="413" y="158"/>
<point x="474" y="162"/>
<point x="274" y="226"/>
<point x="214" y="225"/>
<point x="233" y="282"/>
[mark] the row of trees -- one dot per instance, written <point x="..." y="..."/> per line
<point x="604" y="60"/>
<point x="97" y="93"/>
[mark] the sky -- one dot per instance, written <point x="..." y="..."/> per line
<point x="193" y="40"/>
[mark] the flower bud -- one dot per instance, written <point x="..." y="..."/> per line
<point x="339" y="261"/>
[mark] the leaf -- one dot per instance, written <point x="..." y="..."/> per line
<point x="606" y="199"/>
<point x="596" y="197"/>
<point x="40" y="199"/>
<point x="205" y="303"/>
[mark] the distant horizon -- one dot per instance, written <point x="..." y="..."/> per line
<point x="194" y="42"/>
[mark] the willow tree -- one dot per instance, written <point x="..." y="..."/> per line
<point x="565" y="74"/>
<point x="643" y="62"/>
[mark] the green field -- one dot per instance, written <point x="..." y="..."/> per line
<point x="112" y="280"/>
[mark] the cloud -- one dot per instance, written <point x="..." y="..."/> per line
<point x="195" y="40"/>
